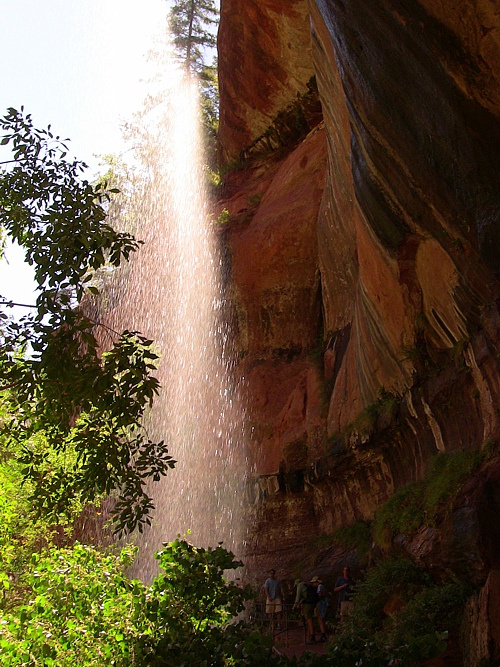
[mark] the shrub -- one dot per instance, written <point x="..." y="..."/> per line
<point x="84" y="610"/>
<point x="397" y="577"/>
<point x="447" y="474"/>
<point x="356" y="536"/>
<point x="434" y="609"/>
<point x="415" y="632"/>
<point x="416" y="504"/>
<point x="22" y="532"/>
<point x="402" y="513"/>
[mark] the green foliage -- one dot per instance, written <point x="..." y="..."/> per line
<point x="223" y="218"/>
<point x="402" y="514"/>
<point x="322" y="541"/>
<point x="213" y="177"/>
<point x="190" y="24"/>
<point x="380" y="411"/>
<point x="21" y="532"/>
<point x="194" y="605"/>
<point x="78" y="607"/>
<point x="445" y="478"/>
<point x="84" y="610"/>
<point x="437" y="608"/>
<point x="209" y="100"/>
<point x="194" y="580"/>
<point x="88" y="405"/>
<point x="392" y="577"/>
<point x="414" y="632"/>
<point x="419" y="503"/>
<point x="254" y="200"/>
<point x="58" y="217"/>
<point x="356" y="536"/>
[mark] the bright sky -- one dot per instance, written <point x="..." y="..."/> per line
<point x="77" y="65"/>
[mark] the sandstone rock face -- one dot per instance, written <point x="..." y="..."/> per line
<point x="273" y="254"/>
<point x="363" y="263"/>
<point x="464" y="543"/>
<point x="419" y="193"/>
<point x="481" y="636"/>
<point x="264" y="61"/>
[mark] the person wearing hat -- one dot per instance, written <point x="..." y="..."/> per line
<point x="307" y="598"/>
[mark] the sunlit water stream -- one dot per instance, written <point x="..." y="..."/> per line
<point x="171" y="291"/>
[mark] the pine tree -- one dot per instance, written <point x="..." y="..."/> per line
<point x="191" y="22"/>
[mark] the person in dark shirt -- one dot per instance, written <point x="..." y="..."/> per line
<point x="344" y="586"/>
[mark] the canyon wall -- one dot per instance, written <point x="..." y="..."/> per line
<point x="360" y="143"/>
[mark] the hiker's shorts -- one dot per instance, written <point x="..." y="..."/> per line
<point x="308" y="610"/>
<point x="273" y="606"/>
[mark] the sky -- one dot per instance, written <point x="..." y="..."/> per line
<point x="76" y="65"/>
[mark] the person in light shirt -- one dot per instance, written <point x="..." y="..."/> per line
<point x="272" y="587"/>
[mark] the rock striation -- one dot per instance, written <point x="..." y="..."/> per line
<point x="363" y="263"/>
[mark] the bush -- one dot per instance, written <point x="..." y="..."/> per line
<point x="391" y="578"/>
<point x="447" y="474"/>
<point x="192" y="609"/>
<point x="434" y="609"/>
<point x="22" y="532"/>
<point x="402" y="513"/>
<point x="356" y="536"/>
<point x="82" y="609"/>
<point x="414" y="631"/>
<point x="420" y="503"/>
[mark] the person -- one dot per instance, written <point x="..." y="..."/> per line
<point x="301" y="593"/>
<point x="322" y="607"/>
<point x="322" y="598"/>
<point x="307" y="598"/>
<point x="272" y="586"/>
<point x="344" y="587"/>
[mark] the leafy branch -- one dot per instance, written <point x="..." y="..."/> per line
<point x="54" y="376"/>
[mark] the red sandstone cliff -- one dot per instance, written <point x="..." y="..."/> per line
<point x="363" y="246"/>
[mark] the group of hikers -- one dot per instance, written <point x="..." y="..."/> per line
<point x="312" y="599"/>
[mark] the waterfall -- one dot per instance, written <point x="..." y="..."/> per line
<point x="171" y="291"/>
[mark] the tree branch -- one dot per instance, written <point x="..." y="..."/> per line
<point x="13" y="303"/>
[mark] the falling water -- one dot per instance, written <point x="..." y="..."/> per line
<point x="171" y="291"/>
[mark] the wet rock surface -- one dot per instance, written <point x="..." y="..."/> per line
<point x="363" y="271"/>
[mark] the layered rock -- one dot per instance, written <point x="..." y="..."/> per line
<point x="363" y="257"/>
<point x="274" y="269"/>
<point x="264" y="61"/>
<point x="481" y="636"/>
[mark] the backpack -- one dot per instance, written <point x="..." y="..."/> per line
<point x="312" y="596"/>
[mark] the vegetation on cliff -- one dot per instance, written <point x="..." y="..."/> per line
<point x="400" y="616"/>
<point x="419" y="504"/>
